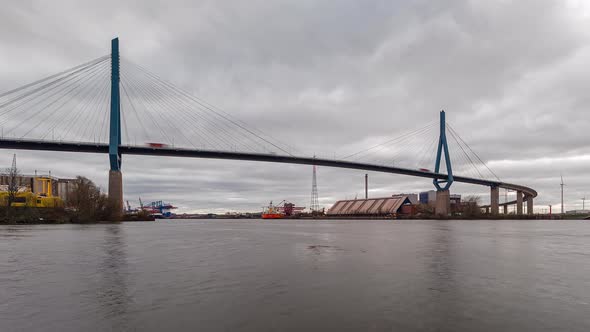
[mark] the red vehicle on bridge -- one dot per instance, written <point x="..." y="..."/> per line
<point x="157" y="145"/>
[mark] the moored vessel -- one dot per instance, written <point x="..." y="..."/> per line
<point x="272" y="212"/>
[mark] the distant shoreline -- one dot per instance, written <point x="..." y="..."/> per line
<point x="135" y="219"/>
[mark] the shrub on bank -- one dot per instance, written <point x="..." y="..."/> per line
<point x="30" y="215"/>
<point x="88" y="204"/>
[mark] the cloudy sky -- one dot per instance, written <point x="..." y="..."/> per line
<point x="331" y="78"/>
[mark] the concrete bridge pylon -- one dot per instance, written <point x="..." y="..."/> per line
<point x="519" y="203"/>
<point x="529" y="205"/>
<point x="443" y="196"/>
<point x="442" y="207"/>
<point x="115" y="175"/>
<point x="495" y="200"/>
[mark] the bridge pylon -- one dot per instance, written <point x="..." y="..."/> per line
<point x="115" y="175"/>
<point x="495" y="200"/>
<point x="442" y="207"/>
<point x="519" y="197"/>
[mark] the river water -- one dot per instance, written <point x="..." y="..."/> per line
<point x="253" y="275"/>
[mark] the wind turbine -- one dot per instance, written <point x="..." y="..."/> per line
<point x="583" y="201"/>
<point x="562" y="184"/>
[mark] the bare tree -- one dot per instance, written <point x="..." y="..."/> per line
<point x="471" y="207"/>
<point x="89" y="203"/>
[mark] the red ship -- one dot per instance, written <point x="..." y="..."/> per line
<point x="280" y="212"/>
<point x="272" y="212"/>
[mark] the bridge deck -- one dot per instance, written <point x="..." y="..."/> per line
<point x="211" y="154"/>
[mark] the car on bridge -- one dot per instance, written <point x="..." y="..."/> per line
<point x="157" y="145"/>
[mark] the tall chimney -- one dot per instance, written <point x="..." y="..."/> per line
<point x="366" y="186"/>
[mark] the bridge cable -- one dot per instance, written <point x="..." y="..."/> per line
<point x="395" y="139"/>
<point x="213" y="123"/>
<point x="88" y="120"/>
<point x="156" y="94"/>
<point x="184" y="94"/>
<point x="106" y="118"/>
<point x="408" y="144"/>
<point x="192" y="114"/>
<point x="75" y="88"/>
<point x="169" y="122"/>
<point x="414" y="145"/>
<point x="39" y="101"/>
<point x="19" y="115"/>
<point x="75" y="84"/>
<point x="123" y="85"/>
<point x="188" y="95"/>
<point x="465" y="161"/>
<point x="102" y="109"/>
<point x="141" y="87"/>
<point x="474" y="153"/>
<point x="89" y="63"/>
<point x="55" y="112"/>
<point x="72" y="123"/>
<point x="68" y="75"/>
<point x="150" y="116"/>
<point x="79" y="108"/>
<point x="84" y="112"/>
<point x="93" y="108"/>
<point x="426" y="153"/>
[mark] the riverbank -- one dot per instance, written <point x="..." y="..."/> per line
<point x="33" y="216"/>
<point x="43" y="216"/>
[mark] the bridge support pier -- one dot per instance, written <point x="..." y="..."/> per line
<point x="519" y="203"/>
<point x="529" y="205"/>
<point x="116" y="193"/>
<point x="443" y="203"/>
<point x="495" y="200"/>
<point x="115" y="176"/>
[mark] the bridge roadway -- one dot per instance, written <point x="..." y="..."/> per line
<point x="21" y="144"/>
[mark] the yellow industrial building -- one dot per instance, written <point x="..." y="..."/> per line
<point x="39" y="195"/>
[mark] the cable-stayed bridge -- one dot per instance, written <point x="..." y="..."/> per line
<point x="111" y="105"/>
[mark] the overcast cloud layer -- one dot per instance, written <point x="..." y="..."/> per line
<point x="330" y="78"/>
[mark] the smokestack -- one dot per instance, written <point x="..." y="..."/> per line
<point x="562" y="184"/>
<point x="366" y="186"/>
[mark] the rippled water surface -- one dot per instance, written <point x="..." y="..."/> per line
<point x="252" y="275"/>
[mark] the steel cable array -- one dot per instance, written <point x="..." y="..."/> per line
<point x="197" y="124"/>
<point x="74" y="105"/>
<point x="54" y="105"/>
<point x="417" y="149"/>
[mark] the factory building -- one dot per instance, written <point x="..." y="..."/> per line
<point x="429" y="198"/>
<point x="455" y="199"/>
<point x="412" y="197"/>
<point x="61" y="188"/>
<point x="385" y="206"/>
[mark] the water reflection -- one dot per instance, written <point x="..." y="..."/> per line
<point x="112" y="294"/>
<point x="15" y="232"/>
<point x="441" y="263"/>
<point x="318" y="251"/>
<point x="298" y="276"/>
<point x="442" y="273"/>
